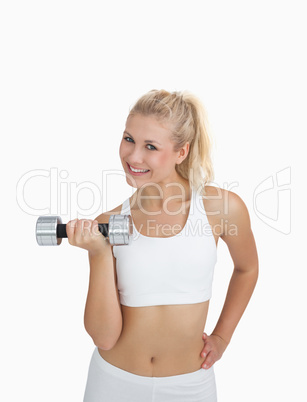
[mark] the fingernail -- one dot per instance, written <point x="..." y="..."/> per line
<point x="203" y="354"/>
<point x="205" y="366"/>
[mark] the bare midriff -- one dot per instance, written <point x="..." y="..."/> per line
<point x="166" y="340"/>
<point x="160" y="341"/>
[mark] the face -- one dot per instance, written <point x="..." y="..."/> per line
<point x="146" y="146"/>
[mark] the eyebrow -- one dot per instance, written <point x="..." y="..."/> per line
<point x="145" y="140"/>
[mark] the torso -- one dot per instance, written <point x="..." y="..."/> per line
<point x="164" y="340"/>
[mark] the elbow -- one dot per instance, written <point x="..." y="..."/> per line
<point x="255" y="271"/>
<point x="105" y="342"/>
<point x="252" y="269"/>
<point x="102" y="346"/>
<point x="105" y="346"/>
<point x="251" y="273"/>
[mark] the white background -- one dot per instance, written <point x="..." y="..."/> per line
<point x="70" y="71"/>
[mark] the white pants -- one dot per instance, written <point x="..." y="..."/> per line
<point x="108" y="383"/>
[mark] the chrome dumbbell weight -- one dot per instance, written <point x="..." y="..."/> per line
<point x="50" y="230"/>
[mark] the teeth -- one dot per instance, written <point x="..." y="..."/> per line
<point x="138" y="170"/>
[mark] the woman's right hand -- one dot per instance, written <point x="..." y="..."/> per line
<point x="84" y="233"/>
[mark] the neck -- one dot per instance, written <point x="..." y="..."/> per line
<point x="159" y="195"/>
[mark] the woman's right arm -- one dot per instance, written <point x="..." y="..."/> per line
<point x="102" y="315"/>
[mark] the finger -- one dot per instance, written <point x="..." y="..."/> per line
<point x="87" y="228"/>
<point x="71" y="225"/>
<point x="70" y="229"/>
<point x="206" y="350"/>
<point x="95" y="229"/>
<point x="209" y="361"/>
<point x="203" y="353"/>
<point x="78" y="230"/>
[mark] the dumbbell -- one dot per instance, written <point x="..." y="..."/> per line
<point x="50" y="230"/>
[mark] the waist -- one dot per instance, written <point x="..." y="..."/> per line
<point x="160" y="341"/>
<point x="174" y="362"/>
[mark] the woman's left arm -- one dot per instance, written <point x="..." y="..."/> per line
<point x="239" y="238"/>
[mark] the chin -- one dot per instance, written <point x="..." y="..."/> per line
<point x="131" y="183"/>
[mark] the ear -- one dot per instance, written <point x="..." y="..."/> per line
<point x="183" y="153"/>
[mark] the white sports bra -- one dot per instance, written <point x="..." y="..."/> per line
<point x="154" y="271"/>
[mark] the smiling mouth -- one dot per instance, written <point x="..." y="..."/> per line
<point x="137" y="173"/>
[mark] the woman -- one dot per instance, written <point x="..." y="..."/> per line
<point x="148" y="301"/>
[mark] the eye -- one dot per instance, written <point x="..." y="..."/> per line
<point x="128" y="138"/>
<point x="151" y="149"/>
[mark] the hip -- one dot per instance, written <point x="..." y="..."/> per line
<point x="107" y="382"/>
<point x="156" y="362"/>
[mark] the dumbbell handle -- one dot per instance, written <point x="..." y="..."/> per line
<point x="61" y="230"/>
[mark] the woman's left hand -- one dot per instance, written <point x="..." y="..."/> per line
<point x="213" y="349"/>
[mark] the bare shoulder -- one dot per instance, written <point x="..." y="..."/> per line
<point x="235" y="209"/>
<point x="226" y="210"/>
<point x="228" y="204"/>
<point x="213" y="200"/>
<point x="237" y="232"/>
<point x="105" y="216"/>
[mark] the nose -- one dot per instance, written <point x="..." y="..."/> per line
<point x="136" y="157"/>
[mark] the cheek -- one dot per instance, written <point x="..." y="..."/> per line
<point x="122" y="149"/>
<point x="159" y="159"/>
<point x="156" y="161"/>
<point x="164" y="160"/>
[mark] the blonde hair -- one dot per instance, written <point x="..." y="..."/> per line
<point x="185" y="114"/>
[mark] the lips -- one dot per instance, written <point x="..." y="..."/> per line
<point x="136" y="173"/>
